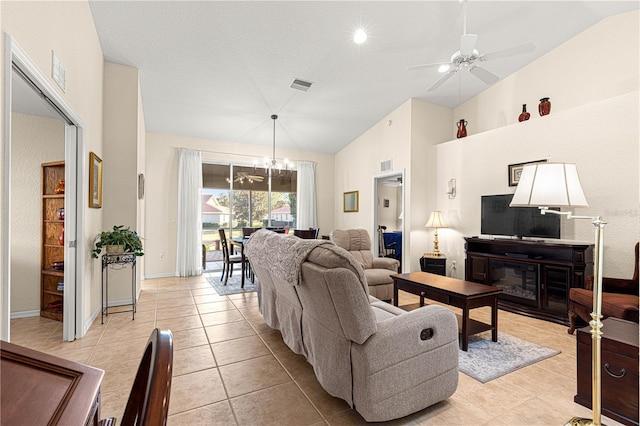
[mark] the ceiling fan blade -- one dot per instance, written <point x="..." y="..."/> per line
<point x="484" y="75"/>
<point x="423" y="66"/>
<point x="468" y="43"/>
<point x="511" y="51"/>
<point x="444" y="78"/>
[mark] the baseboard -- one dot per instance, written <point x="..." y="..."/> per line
<point x="151" y="276"/>
<point x="25" y="314"/>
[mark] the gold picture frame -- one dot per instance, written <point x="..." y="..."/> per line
<point x="350" y="201"/>
<point x="516" y="169"/>
<point x="95" y="181"/>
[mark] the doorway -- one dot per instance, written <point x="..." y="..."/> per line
<point x="30" y="96"/>
<point x="389" y="224"/>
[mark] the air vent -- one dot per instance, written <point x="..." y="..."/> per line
<point x="385" y="166"/>
<point x="301" y="85"/>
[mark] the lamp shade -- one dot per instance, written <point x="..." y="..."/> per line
<point x="549" y="185"/>
<point x="435" y="220"/>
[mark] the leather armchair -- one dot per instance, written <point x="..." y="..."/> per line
<point x="377" y="270"/>
<point x="619" y="299"/>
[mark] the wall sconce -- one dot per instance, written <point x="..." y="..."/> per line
<point x="451" y="188"/>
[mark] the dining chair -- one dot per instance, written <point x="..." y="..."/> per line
<point x="307" y="234"/>
<point x="228" y="260"/>
<point x="248" y="231"/>
<point x="148" y="402"/>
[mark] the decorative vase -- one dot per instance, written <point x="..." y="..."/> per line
<point x="462" y="128"/>
<point x="61" y="237"/>
<point x="524" y="115"/>
<point x="60" y="187"/>
<point x="544" y="107"/>
<point x="60" y="214"/>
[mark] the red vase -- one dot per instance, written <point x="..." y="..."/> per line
<point x="462" y="129"/>
<point x="544" y="107"/>
<point x="61" y="237"/>
<point x="524" y="115"/>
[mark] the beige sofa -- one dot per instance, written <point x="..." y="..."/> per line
<point x="377" y="270"/>
<point x="385" y="362"/>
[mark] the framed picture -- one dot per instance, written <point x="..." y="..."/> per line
<point x="515" y="170"/>
<point x="95" y="181"/>
<point x="351" y="201"/>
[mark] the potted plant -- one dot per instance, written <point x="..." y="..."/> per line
<point x="129" y="241"/>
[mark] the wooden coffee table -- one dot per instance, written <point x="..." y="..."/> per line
<point x="462" y="294"/>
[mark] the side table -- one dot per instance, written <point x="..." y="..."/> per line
<point x="619" y="364"/>
<point x="108" y="261"/>
<point x="434" y="264"/>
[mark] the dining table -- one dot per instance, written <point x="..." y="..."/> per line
<point x="240" y="241"/>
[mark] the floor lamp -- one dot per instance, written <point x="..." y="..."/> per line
<point x="547" y="185"/>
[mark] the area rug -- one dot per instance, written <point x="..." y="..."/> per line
<point x="487" y="360"/>
<point x="233" y="284"/>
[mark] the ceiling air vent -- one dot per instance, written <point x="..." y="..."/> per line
<point x="301" y="85"/>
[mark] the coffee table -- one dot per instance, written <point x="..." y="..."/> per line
<point x="462" y="294"/>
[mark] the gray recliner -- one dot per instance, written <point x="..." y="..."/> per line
<point x="377" y="270"/>
<point x="386" y="363"/>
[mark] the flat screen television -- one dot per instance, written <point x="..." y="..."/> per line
<point x="498" y="218"/>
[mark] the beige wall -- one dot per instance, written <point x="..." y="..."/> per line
<point x="68" y="29"/>
<point x="162" y="193"/>
<point x="35" y="140"/>
<point x="122" y="129"/>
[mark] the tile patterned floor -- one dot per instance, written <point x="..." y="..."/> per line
<point x="231" y="369"/>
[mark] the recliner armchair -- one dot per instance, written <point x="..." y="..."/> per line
<point x="619" y="299"/>
<point x="377" y="270"/>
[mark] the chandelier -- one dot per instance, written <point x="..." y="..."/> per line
<point x="271" y="166"/>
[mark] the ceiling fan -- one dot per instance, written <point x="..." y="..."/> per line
<point x="242" y="176"/>
<point x="468" y="57"/>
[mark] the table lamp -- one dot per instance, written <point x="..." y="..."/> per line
<point x="436" y="221"/>
<point x="547" y="185"/>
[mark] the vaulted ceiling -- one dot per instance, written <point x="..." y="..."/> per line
<point x="218" y="70"/>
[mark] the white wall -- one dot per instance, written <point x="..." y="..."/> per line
<point x="120" y="162"/>
<point x="162" y="193"/>
<point x="35" y="140"/>
<point x="68" y="29"/>
<point x="600" y="137"/>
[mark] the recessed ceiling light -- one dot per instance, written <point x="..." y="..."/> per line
<point x="360" y="36"/>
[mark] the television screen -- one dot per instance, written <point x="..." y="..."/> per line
<point x="497" y="218"/>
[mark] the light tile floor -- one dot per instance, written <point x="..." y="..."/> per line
<point x="230" y="368"/>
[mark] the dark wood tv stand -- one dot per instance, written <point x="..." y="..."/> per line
<point x="535" y="276"/>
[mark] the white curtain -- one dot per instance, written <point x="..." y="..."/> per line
<point x="306" y="190"/>
<point x="189" y="253"/>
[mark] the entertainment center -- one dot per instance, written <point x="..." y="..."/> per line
<point x="535" y="276"/>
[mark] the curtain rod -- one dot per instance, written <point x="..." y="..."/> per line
<point x="242" y="155"/>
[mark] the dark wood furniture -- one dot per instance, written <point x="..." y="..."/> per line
<point x="52" y="254"/>
<point x="41" y="389"/>
<point x="148" y="403"/>
<point x="228" y="259"/>
<point x="307" y="234"/>
<point x="619" y="299"/>
<point x="619" y="364"/>
<point x="433" y="264"/>
<point x="535" y="276"/>
<point x="451" y="291"/>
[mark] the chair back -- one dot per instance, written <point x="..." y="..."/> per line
<point x="357" y="242"/>
<point x="224" y="245"/>
<point x="248" y="231"/>
<point x="307" y="234"/>
<point x="148" y="402"/>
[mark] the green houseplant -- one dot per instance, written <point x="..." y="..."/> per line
<point x="119" y="236"/>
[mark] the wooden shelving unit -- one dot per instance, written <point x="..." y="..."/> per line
<point x="51" y="300"/>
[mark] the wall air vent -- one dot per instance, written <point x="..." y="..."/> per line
<point x="301" y="84"/>
<point x="385" y="166"/>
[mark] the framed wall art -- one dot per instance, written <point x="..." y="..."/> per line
<point x="351" y="201"/>
<point x="515" y="170"/>
<point x="95" y="181"/>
